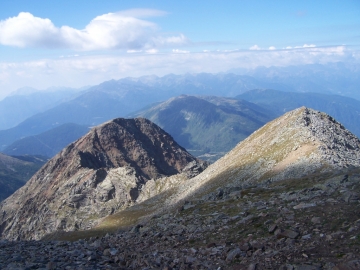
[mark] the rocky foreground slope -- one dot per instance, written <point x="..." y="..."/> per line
<point x="309" y="226"/>
<point x="93" y="177"/>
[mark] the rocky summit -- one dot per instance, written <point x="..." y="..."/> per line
<point x="93" y="177"/>
<point x="299" y="143"/>
<point x="287" y="197"/>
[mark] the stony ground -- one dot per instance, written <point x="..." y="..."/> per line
<point x="309" y="224"/>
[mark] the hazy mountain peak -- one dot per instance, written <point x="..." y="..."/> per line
<point x="24" y="91"/>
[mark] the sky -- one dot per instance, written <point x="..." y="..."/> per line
<point x="79" y="43"/>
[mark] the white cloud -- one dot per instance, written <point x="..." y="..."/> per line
<point x="309" y="46"/>
<point x="272" y="48"/>
<point x="121" y="30"/>
<point x="179" y="51"/>
<point x="134" y="51"/>
<point x="255" y="48"/>
<point x="305" y="46"/>
<point x="152" y="51"/>
<point x="27" y="30"/>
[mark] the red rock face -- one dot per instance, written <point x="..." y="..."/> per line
<point x="137" y="143"/>
<point x="99" y="173"/>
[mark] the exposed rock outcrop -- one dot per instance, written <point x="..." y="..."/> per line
<point x="93" y="177"/>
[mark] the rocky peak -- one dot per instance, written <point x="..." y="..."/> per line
<point x="93" y="177"/>
<point x="337" y="143"/>
<point x="137" y="143"/>
<point x="297" y="144"/>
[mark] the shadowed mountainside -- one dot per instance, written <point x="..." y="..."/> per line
<point x="15" y="171"/>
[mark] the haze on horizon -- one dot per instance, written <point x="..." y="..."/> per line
<point x="73" y="44"/>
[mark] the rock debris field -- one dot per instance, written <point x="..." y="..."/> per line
<point x="301" y="225"/>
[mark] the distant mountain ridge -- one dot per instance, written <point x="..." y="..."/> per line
<point x="48" y="143"/>
<point x="344" y="109"/>
<point x="337" y="78"/>
<point x="27" y="102"/>
<point x="15" y="171"/>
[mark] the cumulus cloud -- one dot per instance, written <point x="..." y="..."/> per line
<point x="121" y="30"/>
<point x="255" y="48"/>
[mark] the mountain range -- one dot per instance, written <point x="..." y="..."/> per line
<point x="336" y="78"/>
<point x="112" y="99"/>
<point x="300" y="143"/>
<point x="281" y="198"/>
<point x="207" y="126"/>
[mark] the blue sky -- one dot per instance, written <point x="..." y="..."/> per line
<point x="78" y="43"/>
